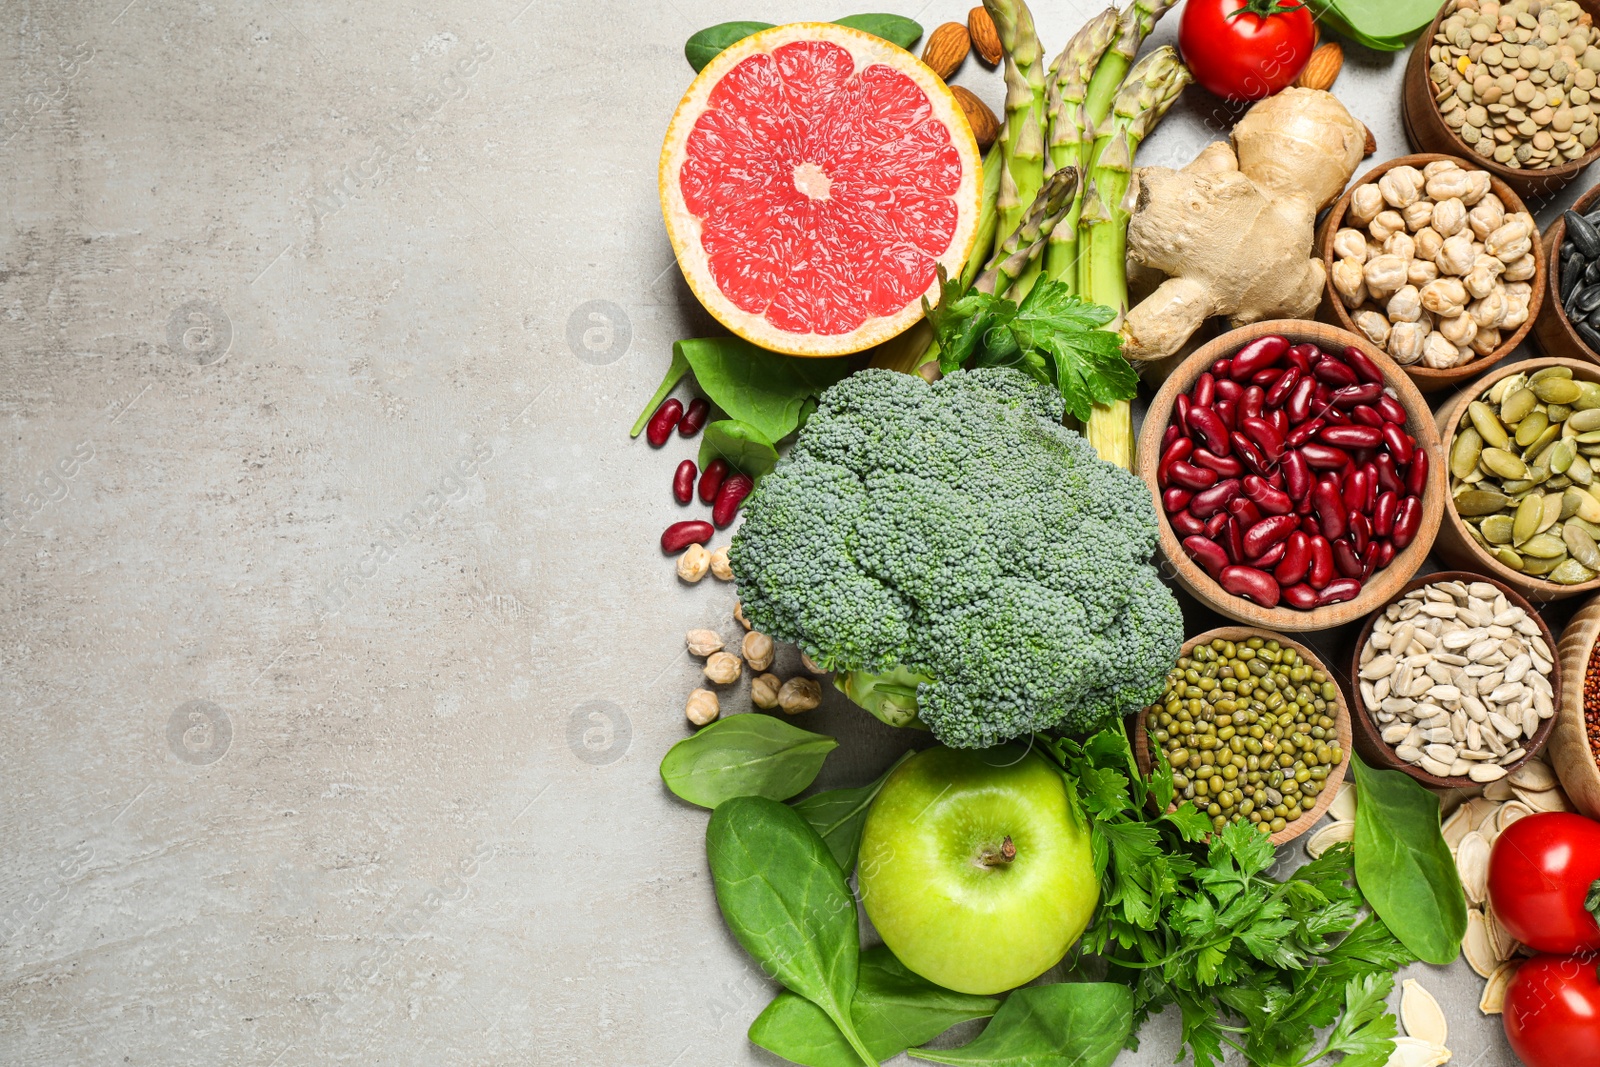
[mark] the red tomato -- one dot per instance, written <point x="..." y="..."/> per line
<point x="1541" y="873"/>
<point x="1245" y="49"/>
<point x="1552" y="1012"/>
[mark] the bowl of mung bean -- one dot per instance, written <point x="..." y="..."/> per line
<point x="1255" y="729"/>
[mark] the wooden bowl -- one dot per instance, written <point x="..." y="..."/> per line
<point x="1341" y="717"/>
<point x="1429" y="379"/>
<point x="1553" y="331"/>
<point x="1426" y="130"/>
<point x="1369" y="741"/>
<point x="1570" y="752"/>
<point x="1381" y="586"/>
<point x="1455" y="544"/>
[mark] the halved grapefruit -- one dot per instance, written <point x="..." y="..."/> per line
<point x="812" y="179"/>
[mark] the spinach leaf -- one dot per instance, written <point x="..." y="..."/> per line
<point x="744" y="755"/>
<point x="761" y="389"/>
<point x="741" y="445"/>
<point x="1070" y="1024"/>
<point x="839" y="815"/>
<point x="893" y="1009"/>
<point x="1404" y="866"/>
<point x="706" y="45"/>
<point x="787" y="903"/>
<point x="1387" y="25"/>
<point x="896" y="29"/>
<point x="675" y="372"/>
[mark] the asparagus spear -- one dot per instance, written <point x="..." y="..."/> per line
<point x="1069" y="83"/>
<point x="1134" y="25"/>
<point x="988" y="216"/>
<point x="1022" y="133"/>
<point x="1026" y="243"/>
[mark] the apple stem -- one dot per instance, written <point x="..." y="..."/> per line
<point x="1006" y="853"/>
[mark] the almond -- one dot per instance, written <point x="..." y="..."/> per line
<point x="947" y="47"/>
<point x="1322" y="68"/>
<point x="985" y="37"/>
<point x="1371" y="147"/>
<point x="985" y="127"/>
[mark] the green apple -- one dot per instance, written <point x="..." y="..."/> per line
<point x="975" y="869"/>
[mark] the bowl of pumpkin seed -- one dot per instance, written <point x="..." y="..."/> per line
<point x="1523" y="450"/>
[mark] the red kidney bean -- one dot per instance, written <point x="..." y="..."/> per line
<point x="1308" y="523"/>
<point x="1265" y="435"/>
<point x="1206" y="423"/>
<point x="1177" y="449"/>
<point x="1366" y="415"/>
<point x="1335" y="417"/>
<point x="1332" y="372"/>
<point x="1275" y="479"/>
<point x="1251" y="584"/>
<point x="1417" y="476"/>
<point x="1388" y="477"/>
<point x="1358" y="361"/>
<point x="1370" y="469"/>
<point x="680" y="535"/>
<point x="1346" y="559"/>
<point x="729" y="497"/>
<point x="1324" y="457"/>
<point x="1339" y="590"/>
<point x="1303" y="355"/>
<point x="1262" y="352"/>
<point x="1228" y="412"/>
<point x="1382" y="554"/>
<point x="1247" y="451"/>
<point x="661" y="423"/>
<point x="1208" y="554"/>
<point x="711" y="480"/>
<point x="1227" y="466"/>
<point x="1368" y="565"/>
<point x="1320" y="573"/>
<point x="1351" y="395"/>
<point x="1354" y="490"/>
<point x="1329" y="506"/>
<point x="1232" y="540"/>
<point x="1268" y="532"/>
<point x="1223" y="369"/>
<point x="1383" y="514"/>
<point x="1280" y="388"/>
<point x="1204" y="392"/>
<point x="1406" y="522"/>
<point x="1400" y="443"/>
<point x="1186" y="525"/>
<point x="1244" y="509"/>
<point x="1279" y="420"/>
<point x="1181" y="410"/>
<point x="1296" y="476"/>
<point x="1302" y="507"/>
<point x="1351" y="436"/>
<point x="1270" y="500"/>
<point x="1173" y="432"/>
<point x="1303" y="433"/>
<point x="1360" y="533"/>
<point x="1300" y="596"/>
<point x="1271" y="557"/>
<point x="1390" y="409"/>
<point x="1298" y="406"/>
<point x="1228" y="389"/>
<point x="1208" y="502"/>
<point x="1250" y="403"/>
<point x="683" y="481"/>
<point x="1214" y="525"/>
<point x="1265" y="377"/>
<point x="1296" y="559"/>
<point x="1175" y="499"/>
<point x="1191" y="477"/>
<point x="695" y="417"/>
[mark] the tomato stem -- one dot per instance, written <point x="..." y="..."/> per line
<point x="1264" y="9"/>
<point x="1591" y="903"/>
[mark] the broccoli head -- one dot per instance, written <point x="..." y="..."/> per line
<point x="957" y="556"/>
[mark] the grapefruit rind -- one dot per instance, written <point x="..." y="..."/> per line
<point x="684" y="227"/>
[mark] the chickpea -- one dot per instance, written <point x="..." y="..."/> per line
<point x="810" y="664"/>
<point x="764" y="690"/>
<point x="694" y="563"/>
<point x="703" y="642"/>
<point x="720" y="567"/>
<point x="723" y="668"/>
<point x="738" y="613"/>
<point x="702" y="707"/>
<point x="799" y="694"/>
<point x="757" y="649"/>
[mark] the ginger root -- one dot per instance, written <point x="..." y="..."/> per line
<point x="1232" y="231"/>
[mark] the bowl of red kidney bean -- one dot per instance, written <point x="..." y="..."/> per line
<point x="1296" y="475"/>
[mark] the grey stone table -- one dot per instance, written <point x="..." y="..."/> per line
<point x="337" y="652"/>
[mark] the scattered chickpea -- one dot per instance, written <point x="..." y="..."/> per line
<point x="799" y="694"/>
<point x="703" y="642"/>
<point x="810" y="664"/>
<point x="764" y="690"/>
<point x="720" y="565"/>
<point x="723" y="668"/>
<point x="702" y="707"/>
<point x="757" y="649"/>
<point x="738" y="613"/>
<point x="693" y="563"/>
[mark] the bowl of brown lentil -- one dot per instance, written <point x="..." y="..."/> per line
<point x="1290" y="763"/>
<point x="1575" y="744"/>
<point x="1527" y="105"/>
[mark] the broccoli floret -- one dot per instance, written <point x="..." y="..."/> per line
<point x="953" y="552"/>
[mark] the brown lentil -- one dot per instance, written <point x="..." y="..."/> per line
<point x="1591" y="702"/>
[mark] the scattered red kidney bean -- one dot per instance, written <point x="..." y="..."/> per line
<point x="1251" y="584"/>
<point x="661" y="423"/>
<point x="734" y="489"/>
<point x="683" y="481"/>
<point x="711" y="480"/>
<point x="694" y="419"/>
<point x="680" y="535"/>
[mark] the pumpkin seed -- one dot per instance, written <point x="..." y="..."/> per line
<point x="1548" y="437"/>
<point x="1580" y="471"/>
<point x="1581" y="545"/>
<point x="1589" y="507"/>
<point x="1581" y="421"/>
<point x="1550" y="512"/>
<point x="1465" y="452"/>
<point x="1496" y="529"/>
<point x="1515" y="407"/>
<point x="1561" y="455"/>
<point x="1508" y="558"/>
<point x="1546" y="373"/>
<point x="1539" y="566"/>
<point x="1589" y="396"/>
<point x="1529" y="429"/>
<point x="1493" y="1001"/>
<point x="1421" y="1014"/>
<point x="1526" y="521"/>
<point x="1474" y="502"/>
<point x="1488" y="425"/>
<point x="1571" y="572"/>
<point x="1504" y="464"/>
<point x="1555" y="390"/>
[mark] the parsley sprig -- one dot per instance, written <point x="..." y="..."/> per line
<point x="1284" y="972"/>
